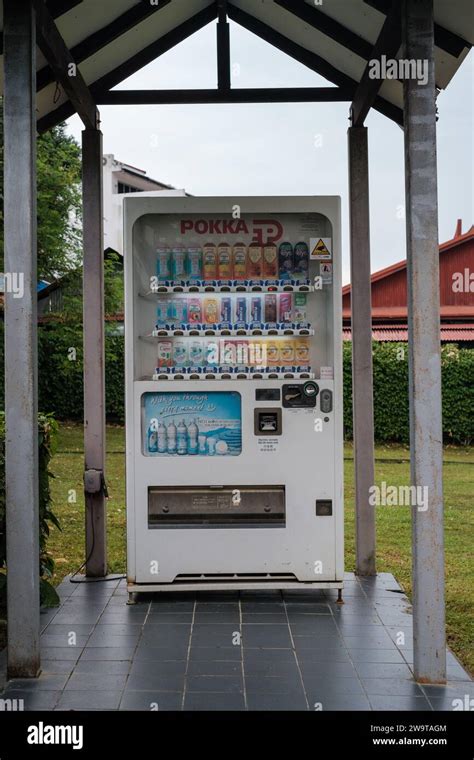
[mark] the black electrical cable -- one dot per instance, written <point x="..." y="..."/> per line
<point x="93" y="580"/>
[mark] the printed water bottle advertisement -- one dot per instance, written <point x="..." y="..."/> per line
<point x="194" y="423"/>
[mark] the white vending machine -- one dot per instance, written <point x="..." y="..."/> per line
<point x="233" y="392"/>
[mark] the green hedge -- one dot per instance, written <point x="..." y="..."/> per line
<point x="47" y="439"/>
<point x="60" y="372"/>
<point x="391" y="410"/>
<point x="60" y="359"/>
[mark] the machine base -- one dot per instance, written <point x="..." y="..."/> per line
<point x="237" y="585"/>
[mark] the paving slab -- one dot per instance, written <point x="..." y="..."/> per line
<point x="270" y="650"/>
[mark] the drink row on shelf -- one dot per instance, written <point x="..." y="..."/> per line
<point x="162" y="286"/>
<point x="233" y="328"/>
<point x="198" y="352"/>
<point x="226" y="371"/>
<point x="228" y="262"/>
<point x="268" y="307"/>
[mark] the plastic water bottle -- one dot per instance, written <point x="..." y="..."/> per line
<point x="162" y="441"/>
<point x="163" y="261"/>
<point x="152" y="442"/>
<point x="193" y="432"/>
<point x="171" y="438"/>
<point x="182" y="439"/>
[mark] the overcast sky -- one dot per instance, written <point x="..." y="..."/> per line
<point x="280" y="149"/>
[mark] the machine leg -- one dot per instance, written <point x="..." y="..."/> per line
<point x="340" y="600"/>
<point x="132" y="597"/>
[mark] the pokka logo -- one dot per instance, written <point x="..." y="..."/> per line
<point x="262" y="230"/>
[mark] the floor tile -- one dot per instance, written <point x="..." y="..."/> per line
<point x="266" y="636"/>
<point x="155" y="681"/>
<point x="34" y="700"/>
<point x="395" y="703"/>
<point x="275" y="702"/>
<point x="399" y="687"/>
<point x="80" y="700"/>
<point x="227" y="684"/>
<point x="109" y="667"/>
<point x="151" y="700"/>
<point x="214" y="668"/>
<point x="203" y="701"/>
<point x="96" y="682"/>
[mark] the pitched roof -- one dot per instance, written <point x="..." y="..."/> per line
<point x="112" y="39"/>
<point x="458" y="239"/>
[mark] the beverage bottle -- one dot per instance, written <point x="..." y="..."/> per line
<point x="301" y="260"/>
<point x="270" y="261"/>
<point x="163" y="261"/>
<point x="171" y="436"/>
<point x="182" y="438"/>
<point x="152" y="442"/>
<point x="239" y="256"/>
<point x="285" y="261"/>
<point x="209" y="261"/>
<point x="254" y="261"/>
<point x="178" y="261"/>
<point x="162" y="439"/>
<point x="193" y="432"/>
<point x="224" y="262"/>
<point x="194" y="263"/>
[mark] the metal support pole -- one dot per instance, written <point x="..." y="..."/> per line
<point x="361" y="317"/>
<point x="21" y="394"/>
<point x="94" y="354"/>
<point x="426" y="444"/>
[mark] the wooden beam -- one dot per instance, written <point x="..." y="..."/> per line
<point x="444" y="39"/>
<point x="133" y="64"/>
<point x="103" y="37"/>
<point x="307" y="58"/>
<point x="223" y="47"/>
<point x="252" y="95"/>
<point x="64" y="66"/>
<point x="388" y="44"/>
<point x="328" y="26"/>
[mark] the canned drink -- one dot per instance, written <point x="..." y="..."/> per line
<point x="165" y="353"/>
<point x="194" y="311"/>
<point x="211" y="311"/>
<point x="285" y="307"/>
<point x="256" y="309"/>
<point x="180" y="353"/>
<point x="196" y="353"/>
<point x="270" y="307"/>
<point x="179" y="311"/>
<point x="241" y="309"/>
<point x="226" y="309"/>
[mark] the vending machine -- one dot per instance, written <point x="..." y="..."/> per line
<point x="233" y="392"/>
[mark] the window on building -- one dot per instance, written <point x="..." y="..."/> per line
<point x="123" y="188"/>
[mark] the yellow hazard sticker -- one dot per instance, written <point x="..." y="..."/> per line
<point x="320" y="249"/>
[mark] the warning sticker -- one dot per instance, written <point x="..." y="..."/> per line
<point x="320" y="248"/>
<point x="325" y="270"/>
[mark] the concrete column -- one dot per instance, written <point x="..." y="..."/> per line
<point x="21" y="393"/>
<point x="426" y="445"/>
<point x="361" y="318"/>
<point x="94" y="353"/>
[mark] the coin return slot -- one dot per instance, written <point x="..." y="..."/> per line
<point x="267" y="421"/>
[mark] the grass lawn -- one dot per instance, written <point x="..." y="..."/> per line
<point x="393" y="523"/>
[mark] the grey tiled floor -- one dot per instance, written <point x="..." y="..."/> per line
<point x="248" y="650"/>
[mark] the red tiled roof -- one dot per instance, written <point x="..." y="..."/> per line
<point x="454" y="333"/>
